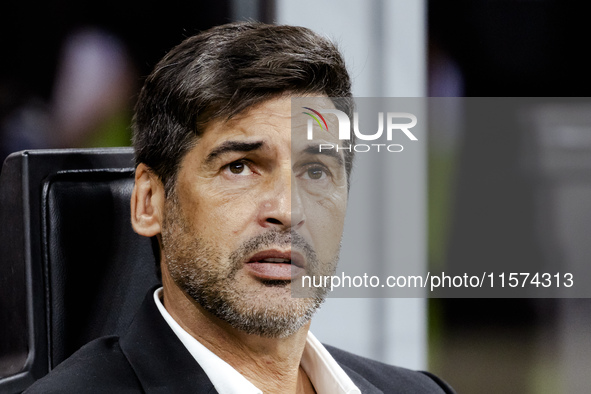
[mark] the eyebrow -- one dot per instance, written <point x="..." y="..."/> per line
<point x="314" y="150"/>
<point x="233" y="146"/>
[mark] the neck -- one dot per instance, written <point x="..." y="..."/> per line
<point x="271" y="364"/>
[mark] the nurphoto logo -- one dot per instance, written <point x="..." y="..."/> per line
<point x="393" y="125"/>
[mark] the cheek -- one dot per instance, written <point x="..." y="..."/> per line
<point x="219" y="215"/>
<point x="326" y="219"/>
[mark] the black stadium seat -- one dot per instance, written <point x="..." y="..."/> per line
<point x="71" y="267"/>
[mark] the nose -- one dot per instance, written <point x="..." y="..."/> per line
<point x="282" y="208"/>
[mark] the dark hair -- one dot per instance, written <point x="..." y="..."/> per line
<point x="221" y="72"/>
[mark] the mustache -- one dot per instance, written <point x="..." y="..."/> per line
<point x="276" y="238"/>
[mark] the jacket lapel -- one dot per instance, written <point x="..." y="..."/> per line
<point x="161" y="362"/>
<point x="362" y="384"/>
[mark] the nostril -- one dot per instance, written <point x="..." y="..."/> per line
<point x="274" y="221"/>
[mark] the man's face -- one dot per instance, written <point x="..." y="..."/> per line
<point x="252" y="211"/>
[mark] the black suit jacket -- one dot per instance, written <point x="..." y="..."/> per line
<point x="150" y="358"/>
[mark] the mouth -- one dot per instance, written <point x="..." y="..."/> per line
<point x="276" y="265"/>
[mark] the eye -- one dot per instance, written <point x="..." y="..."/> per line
<point x="316" y="172"/>
<point x="238" y="168"/>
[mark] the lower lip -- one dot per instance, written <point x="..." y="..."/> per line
<point x="274" y="271"/>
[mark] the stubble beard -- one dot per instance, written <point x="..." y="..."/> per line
<point x="268" y="310"/>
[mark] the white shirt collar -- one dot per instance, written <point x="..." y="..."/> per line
<point x="324" y="372"/>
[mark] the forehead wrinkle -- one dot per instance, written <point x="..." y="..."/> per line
<point x="255" y="123"/>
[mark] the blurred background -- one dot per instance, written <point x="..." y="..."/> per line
<point x="70" y="72"/>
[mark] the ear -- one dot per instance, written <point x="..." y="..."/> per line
<point x="147" y="202"/>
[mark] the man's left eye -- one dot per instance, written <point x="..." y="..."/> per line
<point x="239" y="168"/>
<point x="315" y="173"/>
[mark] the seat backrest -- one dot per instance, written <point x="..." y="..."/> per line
<point x="71" y="267"/>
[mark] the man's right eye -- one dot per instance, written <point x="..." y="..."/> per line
<point x="238" y="168"/>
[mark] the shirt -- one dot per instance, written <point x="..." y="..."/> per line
<point x="324" y="372"/>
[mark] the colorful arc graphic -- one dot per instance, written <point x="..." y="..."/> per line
<point x="315" y="118"/>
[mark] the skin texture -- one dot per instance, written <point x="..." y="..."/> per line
<point x="247" y="187"/>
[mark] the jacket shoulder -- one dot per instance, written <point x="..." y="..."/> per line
<point x="388" y="378"/>
<point x="98" y="367"/>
